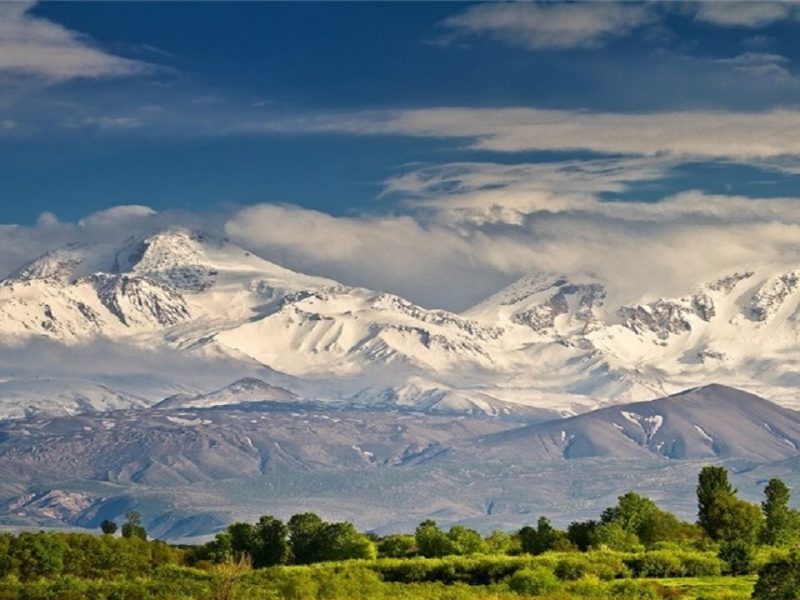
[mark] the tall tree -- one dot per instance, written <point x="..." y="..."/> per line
<point x="270" y="544"/>
<point x="781" y="523"/>
<point x="538" y="540"/>
<point x="712" y="485"/>
<point x="304" y="530"/>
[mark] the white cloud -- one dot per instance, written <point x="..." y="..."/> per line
<point x="34" y="46"/>
<point x="552" y="25"/>
<point x="463" y="230"/>
<point x="472" y="228"/>
<point x="735" y="13"/>
<point x="722" y="134"/>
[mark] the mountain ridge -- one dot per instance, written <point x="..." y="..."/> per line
<point x="548" y="342"/>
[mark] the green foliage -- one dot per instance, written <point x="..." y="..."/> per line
<point x="781" y="523"/>
<point x="304" y="530"/>
<point x="132" y="527"/>
<point x="733" y="519"/>
<point x="779" y="579"/>
<point x="580" y="533"/>
<point x="712" y="483"/>
<point x="533" y="582"/>
<point x="572" y="568"/>
<point x="722" y="515"/>
<point x="541" y="539"/>
<point x="269" y="543"/>
<point x="671" y="563"/>
<point x="615" y="537"/>
<point x="432" y="542"/>
<point x="739" y="556"/>
<point x="397" y="546"/>
<point x="108" y="527"/>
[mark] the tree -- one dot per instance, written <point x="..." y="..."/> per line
<point x="108" y="527"/>
<point x="304" y="532"/>
<point x="712" y="485"/>
<point x="779" y="579"/>
<point x="342" y="541"/>
<point x="580" y="533"/>
<point x="432" y="541"/>
<point x="641" y="516"/>
<point x="631" y="511"/>
<point x="132" y="527"/>
<point x="242" y="540"/>
<point x="397" y="546"/>
<point x="781" y="523"/>
<point x="732" y="519"/>
<point x="500" y="542"/>
<point x="614" y="536"/>
<point x="220" y="549"/>
<point x="538" y="540"/>
<point x="465" y="541"/>
<point x="269" y="544"/>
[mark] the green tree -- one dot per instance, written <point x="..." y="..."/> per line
<point x="730" y="519"/>
<point x="220" y="549"/>
<point x="465" y="540"/>
<point x="580" y="533"/>
<point x="781" y="523"/>
<point x="242" y="540"/>
<point x="342" y="541"/>
<point x="712" y="484"/>
<point x="432" y="541"/>
<point x="642" y="517"/>
<point x="614" y="536"/>
<point x="779" y="579"/>
<point x="269" y="543"/>
<point x="108" y="527"/>
<point x="540" y="539"/>
<point x="304" y="530"/>
<point x="132" y="527"/>
<point x="500" y="542"/>
<point x="397" y="546"/>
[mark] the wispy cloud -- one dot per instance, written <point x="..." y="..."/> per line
<point x="735" y="13"/>
<point x="723" y="134"/>
<point x="36" y="47"/>
<point x="552" y="25"/>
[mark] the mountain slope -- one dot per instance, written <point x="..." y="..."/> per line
<point x="547" y="342"/>
<point x="711" y="422"/>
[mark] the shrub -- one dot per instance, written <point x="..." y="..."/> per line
<point x="656" y="564"/>
<point x="633" y="590"/>
<point x="572" y="568"/>
<point x="739" y="557"/>
<point x="533" y="582"/>
<point x="779" y="579"/>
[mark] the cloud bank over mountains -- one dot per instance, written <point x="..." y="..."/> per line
<point x="459" y="231"/>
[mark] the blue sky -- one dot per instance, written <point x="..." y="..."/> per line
<point x="470" y="118"/>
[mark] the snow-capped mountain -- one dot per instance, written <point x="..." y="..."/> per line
<point x="547" y="342"/>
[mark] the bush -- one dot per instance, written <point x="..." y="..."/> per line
<point x="533" y="582"/>
<point x="697" y="564"/>
<point x="779" y="579"/>
<point x="656" y="564"/>
<point x="572" y="568"/>
<point x="633" y="590"/>
<point x="739" y="557"/>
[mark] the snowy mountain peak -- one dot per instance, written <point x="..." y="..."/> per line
<point x="546" y="303"/>
<point x="175" y="257"/>
<point x="58" y="265"/>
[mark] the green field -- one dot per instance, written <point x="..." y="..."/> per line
<point x="605" y="577"/>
